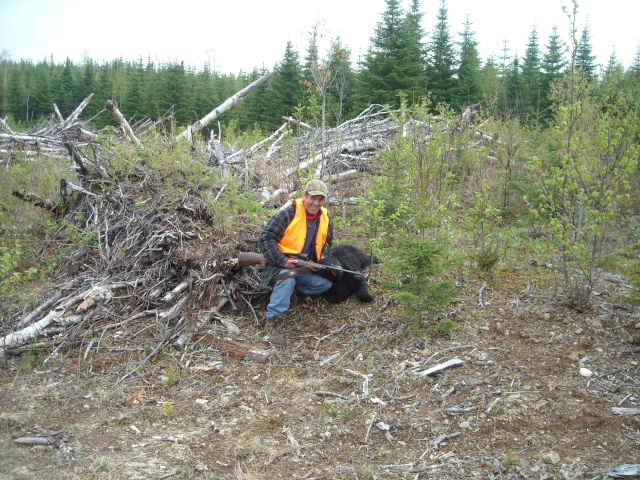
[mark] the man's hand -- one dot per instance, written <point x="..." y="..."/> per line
<point x="291" y="263"/>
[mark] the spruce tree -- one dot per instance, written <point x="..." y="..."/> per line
<point x="380" y="59"/>
<point x="65" y="96"/>
<point x="202" y="95"/>
<point x="311" y="60"/>
<point x="150" y="91"/>
<point x="42" y="100"/>
<point x="441" y="69"/>
<point x="285" y="90"/>
<point x="133" y="101"/>
<point x="175" y="93"/>
<point x="17" y="93"/>
<point x="413" y="53"/>
<point x="532" y="78"/>
<point x="87" y="86"/>
<point x="635" y="66"/>
<point x="511" y="102"/>
<point x="585" y="61"/>
<point x="554" y="65"/>
<point x="4" y="71"/>
<point x="392" y="65"/>
<point x="490" y="75"/>
<point x="469" y="76"/>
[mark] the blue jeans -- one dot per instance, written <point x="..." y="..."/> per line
<point x="309" y="284"/>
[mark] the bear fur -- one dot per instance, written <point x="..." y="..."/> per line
<point x="346" y="284"/>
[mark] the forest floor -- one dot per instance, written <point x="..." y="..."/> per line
<point x="540" y="392"/>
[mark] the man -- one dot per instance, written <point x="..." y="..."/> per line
<point x="302" y="230"/>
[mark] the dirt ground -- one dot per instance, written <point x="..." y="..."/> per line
<point x="536" y="394"/>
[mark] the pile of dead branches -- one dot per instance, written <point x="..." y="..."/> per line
<point x="157" y="260"/>
<point x="150" y="257"/>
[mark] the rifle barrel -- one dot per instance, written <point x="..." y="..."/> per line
<point x="252" y="258"/>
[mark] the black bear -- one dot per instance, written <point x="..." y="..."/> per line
<point x="345" y="284"/>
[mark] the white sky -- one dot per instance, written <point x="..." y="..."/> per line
<point x="239" y="35"/>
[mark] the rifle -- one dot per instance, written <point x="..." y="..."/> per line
<point x="250" y="258"/>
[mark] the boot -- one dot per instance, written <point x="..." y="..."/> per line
<point x="273" y="331"/>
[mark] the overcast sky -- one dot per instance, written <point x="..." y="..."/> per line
<point x="239" y="35"/>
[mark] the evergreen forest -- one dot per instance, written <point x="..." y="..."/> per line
<point x="403" y="63"/>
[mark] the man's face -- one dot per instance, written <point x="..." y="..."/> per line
<point x="312" y="203"/>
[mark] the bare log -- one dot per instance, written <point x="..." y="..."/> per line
<point x="3" y="124"/>
<point x="173" y="293"/>
<point x="346" y="175"/>
<point x="112" y="108"/>
<point x="236" y="350"/>
<point x="226" y="105"/>
<point x="41" y="438"/>
<point x="454" y="362"/>
<point x="629" y="470"/>
<point x="625" y="411"/>
<point x="45" y="203"/>
<point x="77" y="158"/>
<point x="298" y="122"/>
<point x="58" y="114"/>
<point x="27" y="319"/>
<point x="269" y="138"/>
<point x="65" y="183"/>
<point x="76" y="113"/>
<point x="86" y="298"/>
<point x="23" y="336"/>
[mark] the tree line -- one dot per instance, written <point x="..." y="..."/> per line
<point x="402" y="65"/>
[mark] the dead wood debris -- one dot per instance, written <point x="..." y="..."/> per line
<point x="159" y="264"/>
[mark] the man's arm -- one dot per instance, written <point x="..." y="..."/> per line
<point x="272" y="233"/>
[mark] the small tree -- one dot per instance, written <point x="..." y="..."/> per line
<point x="417" y="267"/>
<point x="406" y="209"/>
<point x="586" y="184"/>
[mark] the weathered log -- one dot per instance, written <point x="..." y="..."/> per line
<point x="625" y="411"/>
<point x="235" y="350"/>
<point x="77" y="158"/>
<point x="112" y="108"/>
<point x="200" y="322"/>
<point x="3" y="124"/>
<point x="86" y="299"/>
<point x="454" y="362"/>
<point x="76" y="113"/>
<point x="23" y="336"/>
<point x="40" y="439"/>
<point x="55" y="208"/>
<point x="629" y="470"/>
<point x="35" y="313"/>
<point x="65" y="183"/>
<point x="223" y="107"/>
<point x="298" y="122"/>
<point x="173" y="293"/>
<point x="346" y="175"/>
<point x="266" y="140"/>
<point x="218" y="158"/>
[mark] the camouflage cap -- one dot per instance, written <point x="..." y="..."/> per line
<point x="317" y="187"/>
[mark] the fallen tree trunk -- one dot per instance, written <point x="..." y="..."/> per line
<point x="226" y="105"/>
<point x="112" y="108"/>
<point x="55" y="208"/>
<point x="236" y="350"/>
<point x="28" y="333"/>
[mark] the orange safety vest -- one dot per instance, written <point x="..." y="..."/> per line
<point x="292" y="241"/>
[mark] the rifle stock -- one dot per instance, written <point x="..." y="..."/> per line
<point x="251" y="258"/>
